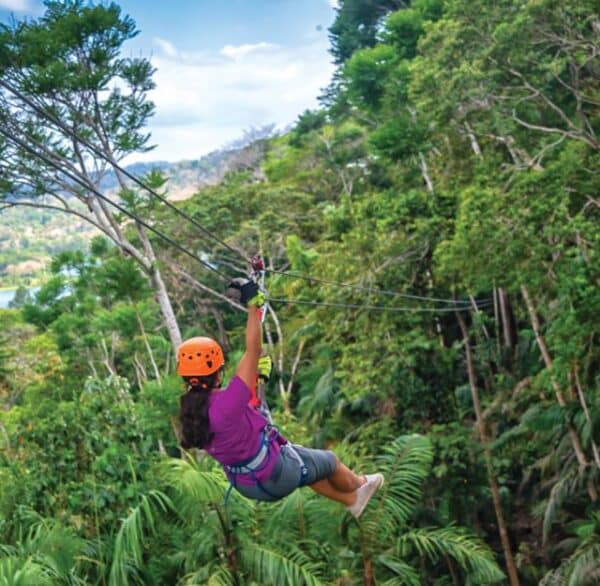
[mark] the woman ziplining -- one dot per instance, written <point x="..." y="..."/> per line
<point x="260" y="463"/>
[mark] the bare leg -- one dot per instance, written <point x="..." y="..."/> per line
<point x="341" y="486"/>
<point x="344" y="479"/>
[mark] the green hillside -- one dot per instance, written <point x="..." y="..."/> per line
<point x="30" y="237"/>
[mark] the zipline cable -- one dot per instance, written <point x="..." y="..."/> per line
<point x="42" y="112"/>
<point x="74" y="135"/>
<point x="98" y="152"/>
<point x="172" y="242"/>
<point x="98" y="194"/>
<point x="378" y="307"/>
<point x="372" y="289"/>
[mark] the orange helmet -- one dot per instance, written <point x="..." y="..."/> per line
<point x="199" y="357"/>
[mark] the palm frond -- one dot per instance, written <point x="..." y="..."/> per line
<point x="543" y="418"/>
<point x="58" y="546"/>
<point x="580" y="569"/>
<point x="128" y="548"/>
<point x="583" y="568"/>
<point x="320" y="400"/>
<point x="16" y="571"/>
<point x="470" y="553"/>
<point x="564" y="487"/>
<point x="223" y="577"/>
<point x="51" y="546"/>
<point x="269" y="566"/>
<point x="194" y="484"/>
<point x="287" y="517"/>
<point x="205" y="577"/>
<point x="405" y="574"/>
<point x="553" y="578"/>
<point x="405" y="464"/>
<point x="301" y="516"/>
<point x="322" y="518"/>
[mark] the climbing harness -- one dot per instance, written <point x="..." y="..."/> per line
<point x="261" y="460"/>
<point x="270" y="433"/>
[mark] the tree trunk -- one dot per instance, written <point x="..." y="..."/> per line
<point x="586" y="411"/>
<point x="508" y="557"/>
<point x="507" y="328"/>
<point x="575" y="441"/>
<point x="497" y="320"/>
<point x="166" y="309"/>
<point x="295" y="366"/>
<point x="279" y="361"/>
<point x="147" y="345"/>
<point x="91" y="363"/>
<point x="367" y="571"/>
<point x="425" y="173"/>
<point x="107" y="361"/>
<point x="229" y="543"/>
<point x="221" y="327"/>
<point x="140" y="373"/>
<point x="160" y="291"/>
<point x="478" y="311"/>
<point x="474" y="144"/>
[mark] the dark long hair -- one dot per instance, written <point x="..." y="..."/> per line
<point x="193" y="411"/>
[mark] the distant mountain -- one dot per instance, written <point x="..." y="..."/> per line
<point x="187" y="177"/>
<point x="29" y="236"/>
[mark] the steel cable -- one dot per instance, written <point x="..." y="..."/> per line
<point x="98" y="194"/>
<point x="187" y="217"/>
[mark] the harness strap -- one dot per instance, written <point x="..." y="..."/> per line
<point x="303" y="466"/>
<point x="254" y="463"/>
<point x="261" y="460"/>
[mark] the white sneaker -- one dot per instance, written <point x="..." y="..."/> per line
<point x="364" y="494"/>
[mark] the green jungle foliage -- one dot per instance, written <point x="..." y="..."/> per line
<point x="455" y="157"/>
<point x="29" y="237"/>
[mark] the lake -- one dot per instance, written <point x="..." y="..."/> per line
<point x="6" y="296"/>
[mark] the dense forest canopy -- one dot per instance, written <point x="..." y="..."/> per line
<point x="432" y="248"/>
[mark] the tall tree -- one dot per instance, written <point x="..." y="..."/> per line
<point x="67" y="66"/>
<point x="357" y="23"/>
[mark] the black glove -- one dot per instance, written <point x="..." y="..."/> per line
<point x="245" y="292"/>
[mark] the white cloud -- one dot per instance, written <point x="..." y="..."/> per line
<point x="16" y="5"/>
<point x="166" y="47"/>
<point x="334" y="3"/>
<point x="204" y="100"/>
<point x="242" y="51"/>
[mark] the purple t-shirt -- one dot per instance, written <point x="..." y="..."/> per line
<point x="237" y="429"/>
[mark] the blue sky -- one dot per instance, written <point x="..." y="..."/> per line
<point x="223" y="65"/>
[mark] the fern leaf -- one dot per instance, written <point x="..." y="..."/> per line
<point x="268" y="566"/>
<point x="128" y="548"/>
<point x="471" y="554"/>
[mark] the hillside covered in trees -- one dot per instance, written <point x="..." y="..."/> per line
<point x="31" y="235"/>
<point x="432" y="250"/>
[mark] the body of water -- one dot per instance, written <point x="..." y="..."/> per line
<point x="6" y="296"/>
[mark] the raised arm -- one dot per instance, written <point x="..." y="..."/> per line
<point x="247" y="369"/>
<point x="247" y="292"/>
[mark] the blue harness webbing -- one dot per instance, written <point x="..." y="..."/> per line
<point x="260" y="461"/>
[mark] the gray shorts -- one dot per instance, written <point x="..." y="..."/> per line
<point x="287" y="473"/>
